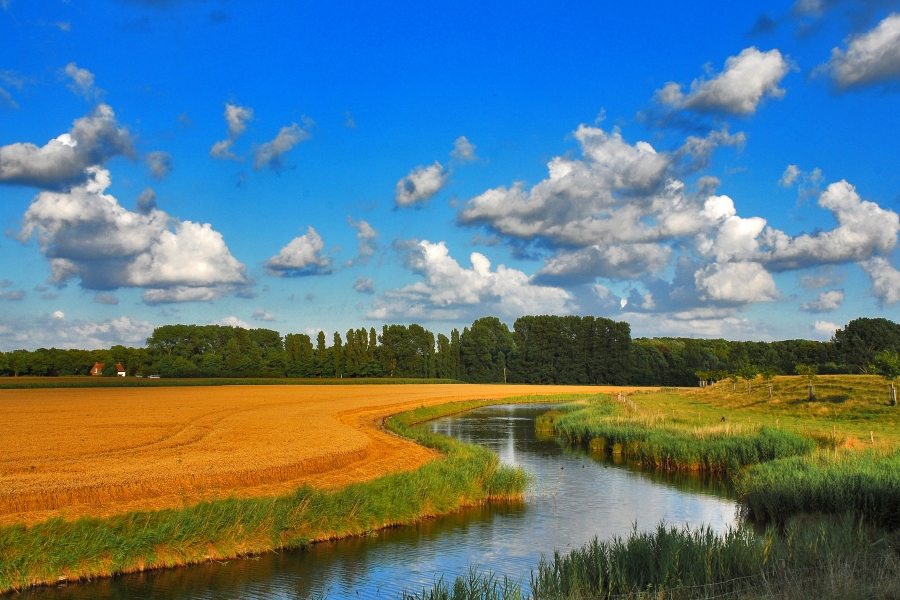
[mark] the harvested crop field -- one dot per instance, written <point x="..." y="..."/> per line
<point x="76" y="452"/>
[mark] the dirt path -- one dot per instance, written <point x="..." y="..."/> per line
<point x="76" y="452"/>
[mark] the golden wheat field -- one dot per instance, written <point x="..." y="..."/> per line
<point x="75" y="452"/>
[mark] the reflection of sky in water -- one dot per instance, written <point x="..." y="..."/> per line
<point x="573" y="499"/>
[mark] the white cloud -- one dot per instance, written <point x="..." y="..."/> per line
<point x="160" y="164"/>
<point x="92" y="140"/>
<point x="449" y="291"/>
<point x="619" y="193"/>
<point x="262" y="315"/>
<point x="236" y="117"/>
<point x="421" y="184"/>
<point x="870" y="58"/>
<point x="736" y="282"/>
<point x="885" y="280"/>
<point x="12" y="295"/>
<point x="6" y="100"/>
<point x="621" y="261"/>
<point x="789" y="176"/>
<point x="104" y="298"/>
<point x="233" y="321"/>
<point x="146" y="202"/>
<point x="269" y="154"/>
<point x="222" y="150"/>
<point x="463" y="150"/>
<point x="748" y="78"/>
<point x="87" y="234"/>
<point x="364" y="285"/>
<point x="826" y="302"/>
<point x="82" y="82"/>
<point x="54" y="330"/>
<point x="825" y="329"/>
<point x="864" y="229"/>
<point x="366" y="236"/>
<point x="302" y="256"/>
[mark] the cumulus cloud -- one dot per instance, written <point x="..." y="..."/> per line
<point x="104" y="298"/>
<point x="870" y="58"/>
<point x="269" y="154"/>
<point x="262" y="315"/>
<point x="159" y="163"/>
<point x="87" y="234"/>
<point x="92" y="140"/>
<point x="463" y="150"/>
<point x="236" y="117"/>
<point x="612" y="213"/>
<point x="12" y="295"/>
<point x="449" y="291"/>
<point x="864" y="229"/>
<point x="367" y="237"/>
<point x="54" y="330"/>
<point x="736" y="282"/>
<point x="748" y="78"/>
<point x="885" y="280"/>
<point x="81" y="82"/>
<point x="364" y="285"/>
<point x="146" y="202"/>
<point x="301" y="257"/>
<point x="821" y="277"/>
<point x="826" y="302"/>
<point x="825" y="329"/>
<point x="421" y="184"/>
<point x="233" y="321"/>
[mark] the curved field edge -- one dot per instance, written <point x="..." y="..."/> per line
<point x="467" y="475"/>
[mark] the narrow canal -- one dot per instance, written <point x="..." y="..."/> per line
<point x="573" y="498"/>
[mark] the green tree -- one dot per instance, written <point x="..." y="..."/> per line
<point x="861" y="339"/>
<point x="748" y="373"/>
<point x="811" y="372"/>
<point x="887" y="364"/>
<point x="484" y="349"/>
<point x="337" y="355"/>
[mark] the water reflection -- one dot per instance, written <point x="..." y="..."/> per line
<point x="575" y="497"/>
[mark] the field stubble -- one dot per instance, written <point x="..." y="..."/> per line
<point x="98" y="452"/>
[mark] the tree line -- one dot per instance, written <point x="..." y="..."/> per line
<point x="539" y="349"/>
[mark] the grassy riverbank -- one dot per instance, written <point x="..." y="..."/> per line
<point x="467" y="475"/>
<point x="819" y="559"/>
<point x="656" y="441"/>
<point x="864" y="483"/>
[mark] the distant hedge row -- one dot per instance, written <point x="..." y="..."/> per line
<point x="539" y="349"/>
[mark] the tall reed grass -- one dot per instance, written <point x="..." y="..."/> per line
<point x="866" y="483"/>
<point x="671" y="562"/>
<point x="658" y="442"/>
<point x="91" y="547"/>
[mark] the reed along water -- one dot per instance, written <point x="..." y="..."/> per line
<point x="574" y="497"/>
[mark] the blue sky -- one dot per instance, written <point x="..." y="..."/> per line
<point x="692" y="170"/>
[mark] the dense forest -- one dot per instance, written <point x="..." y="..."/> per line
<point x="539" y="349"/>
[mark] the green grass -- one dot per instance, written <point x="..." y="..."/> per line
<point x="671" y="562"/>
<point x="24" y="383"/>
<point x="865" y="483"/>
<point x="467" y="475"/>
<point x="657" y="441"/>
<point x="848" y="407"/>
